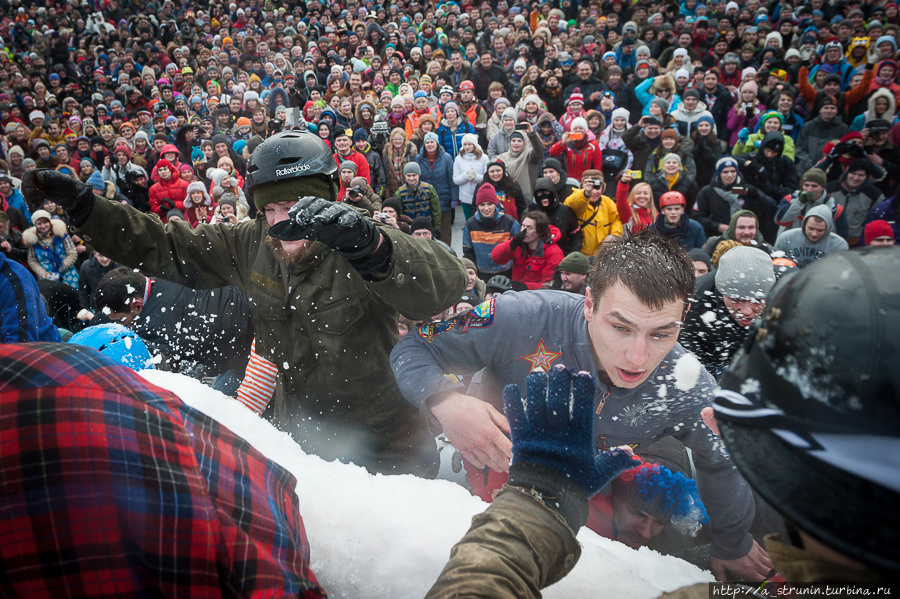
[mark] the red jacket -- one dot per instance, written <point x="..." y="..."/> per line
<point x="175" y="189"/>
<point x="362" y="165"/>
<point x="533" y="268"/>
<point x="577" y="161"/>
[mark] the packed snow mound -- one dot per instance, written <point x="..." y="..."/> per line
<point x="390" y="536"/>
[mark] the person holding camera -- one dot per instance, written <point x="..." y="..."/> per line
<point x="597" y="214"/>
<point x="746" y="111"/>
<point x="579" y="149"/>
<point x="793" y="208"/>
<point x="839" y="156"/>
<point x="533" y="251"/>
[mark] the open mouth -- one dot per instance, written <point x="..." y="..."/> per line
<point x="630" y="376"/>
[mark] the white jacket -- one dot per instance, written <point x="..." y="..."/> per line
<point x="463" y="162"/>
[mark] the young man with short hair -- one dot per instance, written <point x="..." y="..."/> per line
<point x="625" y="330"/>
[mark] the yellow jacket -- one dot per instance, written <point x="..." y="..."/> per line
<point x="605" y="221"/>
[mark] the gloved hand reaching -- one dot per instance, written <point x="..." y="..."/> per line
<point x="518" y="240"/>
<point x="335" y="224"/>
<point x="554" y="424"/>
<point x="76" y="198"/>
<point x="743" y="135"/>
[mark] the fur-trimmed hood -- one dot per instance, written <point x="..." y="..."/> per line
<point x="892" y="104"/>
<point x="661" y="80"/>
<point x="30" y="236"/>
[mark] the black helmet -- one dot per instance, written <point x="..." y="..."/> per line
<point x="498" y="284"/>
<point x="810" y="407"/>
<point x="288" y="155"/>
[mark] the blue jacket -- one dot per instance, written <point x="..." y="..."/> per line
<point x="23" y="317"/>
<point x="450" y="140"/>
<point x="643" y="94"/>
<point x="690" y="233"/>
<point x="16" y="200"/>
<point x="885" y="211"/>
<point x="481" y="235"/>
<point x="440" y="176"/>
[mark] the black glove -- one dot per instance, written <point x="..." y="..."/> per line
<point x="166" y="204"/>
<point x="76" y="198"/>
<point x="518" y="240"/>
<point x="336" y="225"/>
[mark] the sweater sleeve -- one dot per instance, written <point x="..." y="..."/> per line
<point x="71" y="254"/>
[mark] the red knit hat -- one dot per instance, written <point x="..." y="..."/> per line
<point x="576" y="96"/>
<point x="877" y="228"/>
<point x="165" y="163"/>
<point x="486" y="195"/>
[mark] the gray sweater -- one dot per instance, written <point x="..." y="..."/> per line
<point x="515" y="331"/>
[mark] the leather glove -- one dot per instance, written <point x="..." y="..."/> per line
<point x="554" y="425"/>
<point x="743" y="135"/>
<point x="806" y="197"/>
<point x="518" y="240"/>
<point x="336" y="225"/>
<point x="76" y="198"/>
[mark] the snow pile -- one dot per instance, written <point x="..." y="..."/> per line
<point x="390" y="536"/>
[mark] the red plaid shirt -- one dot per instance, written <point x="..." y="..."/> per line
<point x="111" y="487"/>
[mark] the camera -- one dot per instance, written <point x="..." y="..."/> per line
<point x="383" y="217"/>
<point x="597" y="182"/>
<point x="355" y="192"/>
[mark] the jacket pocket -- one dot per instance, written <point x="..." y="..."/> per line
<point x="337" y="318"/>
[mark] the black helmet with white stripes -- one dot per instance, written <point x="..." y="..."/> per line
<point x="810" y="407"/>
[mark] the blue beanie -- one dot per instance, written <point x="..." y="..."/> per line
<point x="239" y="146"/>
<point x="706" y="119"/>
<point x="724" y="163"/>
<point x="360" y="135"/>
<point x="96" y="181"/>
<point x="887" y="38"/>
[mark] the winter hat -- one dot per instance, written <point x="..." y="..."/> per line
<point x="348" y="165"/>
<point x="174" y="212"/>
<point x="698" y="254"/>
<point x="682" y="73"/>
<point x="533" y="98"/>
<point x="500" y="101"/>
<point x="663" y="491"/>
<point x="576" y="96"/>
<point x="470" y="138"/>
<point x="816" y="175"/>
<point x="96" y="181"/>
<point x="828" y="100"/>
<point x="877" y="228"/>
<point x="578" y="122"/>
<point x="517" y="135"/>
<point x="39" y="214"/>
<point x="191" y="188"/>
<point x="419" y="223"/>
<point x="469" y="264"/>
<point x="576" y="262"/>
<point x="393" y="203"/>
<point x="431" y="135"/>
<point x="453" y="105"/>
<point x="621" y="112"/>
<point x="851" y="136"/>
<point x="690" y="93"/>
<point x="792" y="53"/>
<point x="510" y="113"/>
<point x="16" y="150"/>
<point x="745" y="273"/>
<point x="750" y="85"/>
<point x="360" y="135"/>
<point x="553" y="163"/>
<point x="412" y="168"/>
<point x="591" y="174"/>
<point x="124" y="149"/>
<point x="663" y="104"/>
<point x="487" y="194"/>
<point x="669" y="134"/>
<point x="672" y="156"/>
<point x="724" y="163"/>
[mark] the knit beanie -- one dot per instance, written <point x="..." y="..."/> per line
<point x="665" y="493"/>
<point x="578" y="122"/>
<point x="621" y="112"/>
<point x="393" y="203"/>
<point x="419" y="223"/>
<point x="412" y="168"/>
<point x="671" y="156"/>
<point x="576" y="263"/>
<point x="745" y="273"/>
<point x="698" y="255"/>
<point x="96" y="181"/>
<point x="576" y="96"/>
<point x="348" y="165"/>
<point x="669" y="134"/>
<point x="663" y="104"/>
<point x="470" y="138"/>
<point x="291" y="190"/>
<point x="877" y="228"/>
<point x="38" y="215"/>
<point x="750" y="85"/>
<point x="816" y="175"/>
<point x="486" y="194"/>
<point x="431" y="135"/>
<point x="724" y="163"/>
<point x="469" y="264"/>
<point x="706" y="119"/>
<point x="510" y="113"/>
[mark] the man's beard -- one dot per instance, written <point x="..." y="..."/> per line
<point x="292" y="258"/>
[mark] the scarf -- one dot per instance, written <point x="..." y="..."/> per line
<point x="735" y="202"/>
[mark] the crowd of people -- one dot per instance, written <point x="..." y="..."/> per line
<point x="270" y="151"/>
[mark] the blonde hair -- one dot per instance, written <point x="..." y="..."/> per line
<point x="634" y="190"/>
<point x="720" y="250"/>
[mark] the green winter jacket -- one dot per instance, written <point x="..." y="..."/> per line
<point x="328" y="330"/>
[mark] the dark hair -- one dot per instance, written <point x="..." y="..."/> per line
<point x="117" y="288"/>
<point x="653" y="267"/>
<point x="541" y="222"/>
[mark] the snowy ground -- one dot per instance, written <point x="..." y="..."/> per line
<point x="390" y="536"/>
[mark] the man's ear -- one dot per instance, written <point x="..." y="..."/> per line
<point x="137" y="305"/>
<point x="588" y="305"/>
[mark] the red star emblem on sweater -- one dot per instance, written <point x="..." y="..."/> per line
<point x="541" y="358"/>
